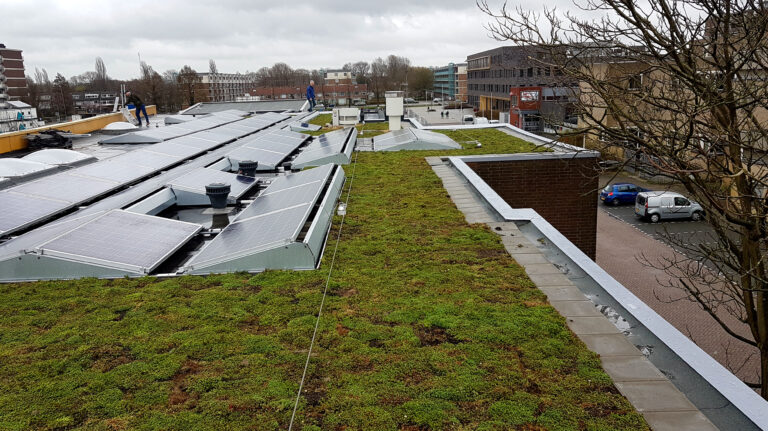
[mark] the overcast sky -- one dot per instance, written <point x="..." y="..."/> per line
<point x="241" y="35"/>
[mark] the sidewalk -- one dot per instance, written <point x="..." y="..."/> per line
<point x="618" y="248"/>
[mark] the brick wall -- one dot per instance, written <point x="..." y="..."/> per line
<point x="563" y="191"/>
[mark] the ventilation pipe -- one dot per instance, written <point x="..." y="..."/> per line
<point x="247" y="168"/>
<point x="217" y="193"/>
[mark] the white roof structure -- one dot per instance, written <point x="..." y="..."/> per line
<point x="59" y="157"/>
<point x="413" y="139"/>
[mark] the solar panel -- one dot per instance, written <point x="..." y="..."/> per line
<point x="258" y="233"/>
<point x="173" y="149"/>
<point x="21" y="210"/>
<point x="298" y="195"/>
<point x="275" y="217"/>
<point x="198" y="140"/>
<point x="268" y="160"/>
<point x="66" y="187"/>
<point x="304" y="177"/>
<point x="197" y="179"/>
<point x="147" y="158"/>
<point x="123" y="239"/>
<point x="332" y="147"/>
<point x="115" y="170"/>
<point x="169" y="132"/>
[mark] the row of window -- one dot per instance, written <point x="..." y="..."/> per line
<point x="478" y="63"/>
<point x="515" y="73"/>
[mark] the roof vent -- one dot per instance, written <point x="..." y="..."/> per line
<point x="217" y="193"/>
<point x="247" y="167"/>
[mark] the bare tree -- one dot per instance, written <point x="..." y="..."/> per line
<point x="397" y="72"/>
<point x="378" y="76"/>
<point x="213" y="80"/>
<point x="361" y="70"/>
<point x="101" y="78"/>
<point x="420" y="79"/>
<point x="681" y="87"/>
<point x="188" y="80"/>
<point x="61" y="99"/>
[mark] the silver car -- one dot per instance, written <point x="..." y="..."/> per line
<point x="660" y="205"/>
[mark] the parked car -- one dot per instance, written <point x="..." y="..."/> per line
<point x="661" y="205"/>
<point x="468" y="119"/>
<point x="409" y="101"/>
<point x="437" y="100"/>
<point x="319" y="107"/>
<point x="620" y="193"/>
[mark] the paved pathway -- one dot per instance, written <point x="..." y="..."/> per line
<point x="619" y="247"/>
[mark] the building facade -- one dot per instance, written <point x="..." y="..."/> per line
<point x="495" y="78"/>
<point x="14" y="83"/>
<point x="223" y="87"/>
<point x="461" y="82"/>
<point x="93" y="102"/>
<point x="444" y="84"/>
<point x="335" y="77"/>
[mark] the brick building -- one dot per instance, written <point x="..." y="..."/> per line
<point x="13" y="65"/>
<point x="529" y="181"/>
<point x="461" y="82"/>
<point x="492" y="75"/>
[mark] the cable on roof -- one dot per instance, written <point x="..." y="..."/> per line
<point x="322" y="301"/>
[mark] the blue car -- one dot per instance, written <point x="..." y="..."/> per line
<point x="621" y="193"/>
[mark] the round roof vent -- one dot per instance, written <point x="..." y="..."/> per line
<point x="248" y="167"/>
<point x="217" y="193"/>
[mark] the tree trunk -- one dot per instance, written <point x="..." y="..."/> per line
<point x="764" y="372"/>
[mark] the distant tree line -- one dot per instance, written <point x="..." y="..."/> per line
<point x="174" y="89"/>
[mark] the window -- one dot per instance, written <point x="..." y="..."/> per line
<point x="623" y="188"/>
<point x="681" y="202"/>
<point x="635" y="81"/>
<point x="530" y="72"/>
<point x="546" y="71"/>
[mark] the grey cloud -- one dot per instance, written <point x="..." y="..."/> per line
<point x="240" y="34"/>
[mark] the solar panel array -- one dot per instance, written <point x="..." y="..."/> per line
<point x="160" y="134"/>
<point x="269" y="149"/>
<point x="274" y="218"/>
<point x="34" y="201"/>
<point x="413" y="139"/>
<point x="122" y="239"/>
<point x="333" y="147"/>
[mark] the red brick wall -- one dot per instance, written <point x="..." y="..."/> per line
<point x="563" y="191"/>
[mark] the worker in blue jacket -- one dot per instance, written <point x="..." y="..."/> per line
<point x="311" y="95"/>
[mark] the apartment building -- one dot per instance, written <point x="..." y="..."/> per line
<point x="12" y="79"/>
<point x="336" y="77"/>
<point x="223" y="87"/>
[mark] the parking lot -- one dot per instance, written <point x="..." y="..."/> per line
<point x="670" y="232"/>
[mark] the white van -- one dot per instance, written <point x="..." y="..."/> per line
<point x="658" y="205"/>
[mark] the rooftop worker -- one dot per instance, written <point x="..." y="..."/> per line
<point x="136" y="101"/>
<point x="311" y="95"/>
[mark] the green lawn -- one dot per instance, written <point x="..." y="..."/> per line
<point x="429" y="324"/>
